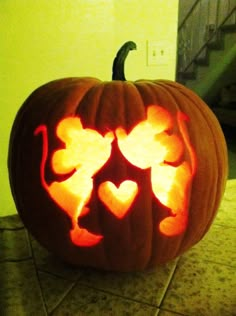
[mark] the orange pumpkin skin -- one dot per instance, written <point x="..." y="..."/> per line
<point x="134" y="242"/>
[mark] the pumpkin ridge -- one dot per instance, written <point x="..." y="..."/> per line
<point x="158" y="86"/>
<point x="206" y="117"/>
<point x="161" y="89"/>
<point x="107" y="121"/>
<point x="143" y="105"/>
<point x="211" y="121"/>
<point x="88" y="106"/>
<point x="131" y="106"/>
<point x="146" y="94"/>
<point x="140" y="88"/>
<point x="105" y="106"/>
<point x="139" y="106"/>
<point x="155" y="90"/>
<point x="115" y="109"/>
<point x="100" y="90"/>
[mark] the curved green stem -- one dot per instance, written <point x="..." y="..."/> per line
<point x="119" y="61"/>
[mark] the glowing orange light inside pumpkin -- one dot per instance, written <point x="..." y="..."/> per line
<point x="149" y="145"/>
<point x="80" y="154"/>
<point x="118" y="200"/>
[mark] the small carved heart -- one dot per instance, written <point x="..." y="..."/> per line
<point x="118" y="199"/>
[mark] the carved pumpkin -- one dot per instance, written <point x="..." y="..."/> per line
<point x="116" y="175"/>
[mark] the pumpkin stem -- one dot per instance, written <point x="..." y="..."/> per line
<point x="119" y="61"/>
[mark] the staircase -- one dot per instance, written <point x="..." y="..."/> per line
<point x="207" y="54"/>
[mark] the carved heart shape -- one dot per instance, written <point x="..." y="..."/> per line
<point x="118" y="199"/>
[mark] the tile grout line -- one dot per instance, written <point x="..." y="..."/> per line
<point x="37" y="275"/>
<point x="12" y="229"/>
<point x="220" y="225"/>
<point x="16" y="260"/>
<point x="22" y="259"/>
<point x="174" y="312"/>
<point x="77" y="283"/>
<point x="184" y="256"/>
<point x="55" y="275"/>
<point x="169" y="282"/>
<point x="118" y="295"/>
<point x="63" y="297"/>
<point x="215" y="262"/>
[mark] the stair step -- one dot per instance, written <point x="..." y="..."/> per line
<point x="188" y="74"/>
<point x="228" y="27"/>
<point x="221" y="69"/>
<point x="208" y="57"/>
<point x="230" y="23"/>
<point x="203" y="58"/>
<point x="216" y="42"/>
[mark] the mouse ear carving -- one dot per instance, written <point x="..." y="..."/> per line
<point x="143" y="146"/>
<point x="84" y="148"/>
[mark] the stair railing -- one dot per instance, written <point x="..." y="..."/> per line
<point x="201" y="28"/>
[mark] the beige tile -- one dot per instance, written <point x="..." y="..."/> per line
<point x="147" y="287"/>
<point x="47" y="262"/>
<point x="86" y="301"/>
<point x="54" y="289"/>
<point x="170" y="313"/>
<point x="202" y="288"/>
<point x="227" y="210"/>
<point x="20" y="294"/>
<point x="232" y="160"/>
<point x="11" y="222"/>
<point x="218" y="245"/>
<point x="14" y="245"/>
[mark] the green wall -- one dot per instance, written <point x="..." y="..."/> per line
<point x="44" y="40"/>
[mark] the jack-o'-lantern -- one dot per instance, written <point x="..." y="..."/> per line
<point x="116" y="175"/>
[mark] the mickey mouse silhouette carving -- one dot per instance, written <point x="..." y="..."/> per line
<point x="150" y="144"/>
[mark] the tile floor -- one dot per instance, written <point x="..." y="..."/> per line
<point x="202" y="282"/>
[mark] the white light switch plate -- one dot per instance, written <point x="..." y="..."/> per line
<point x="157" y="53"/>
